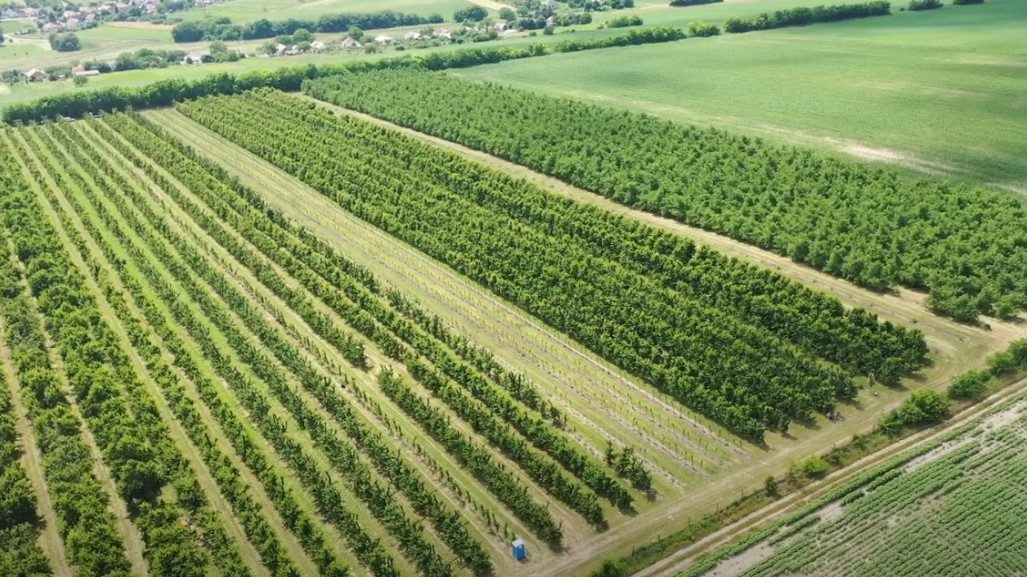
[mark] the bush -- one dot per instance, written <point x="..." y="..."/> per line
<point x="80" y="81"/>
<point x="921" y="409"/>
<point x="966" y="2"/>
<point x="625" y="21"/>
<point x="968" y="386"/>
<point x="471" y="13"/>
<point x="703" y="29"/>
<point x="814" y="468"/>
<point x="924" y="4"/>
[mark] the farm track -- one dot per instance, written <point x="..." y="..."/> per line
<point x="49" y="539"/>
<point x="129" y="533"/>
<point x="955" y="347"/>
<point x="579" y="382"/>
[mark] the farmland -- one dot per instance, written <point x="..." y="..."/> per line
<point x="390" y="322"/>
<point x="907" y="88"/>
<point x="299" y="361"/>
<point x="951" y="509"/>
<point x="747" y="189"/>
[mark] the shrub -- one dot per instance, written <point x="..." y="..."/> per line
<point x="814" y="468"/>
<point x="924" y="4"/>
<point x="968" y="386"/>
<point x="966" y="2"/>
<point x="471" y="13"/>
<point x="703" y="29"/>
<point x="921" y="409"/>
<point x="625" y="21"/>
<point x="80" y="81"/>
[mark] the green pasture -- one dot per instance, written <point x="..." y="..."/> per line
<point x="943" y="90"/>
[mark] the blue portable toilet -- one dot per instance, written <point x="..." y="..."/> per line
<point x="520" y="552"/>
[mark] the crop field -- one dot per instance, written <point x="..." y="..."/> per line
<point x="954" y="510"/>
<point x="280" y="395"/>
<point x="391" y="323"/>
<point x="913" y="88"/>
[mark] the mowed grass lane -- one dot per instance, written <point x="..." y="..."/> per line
<point x="940" y="91"/>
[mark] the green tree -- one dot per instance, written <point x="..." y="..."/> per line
<point x="470" y="14"/>
<point x="65" y="42"/>
<point x="969" y="385"/>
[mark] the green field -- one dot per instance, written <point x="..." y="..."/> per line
<point x="247" y="10"/>
<point x="955" y="510"/>
<point x="387" y="324"/>
<point x="941" y="91"/>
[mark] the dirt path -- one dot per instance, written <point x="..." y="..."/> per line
<point x="49" y="539"/>
<point x="685" y="557"/>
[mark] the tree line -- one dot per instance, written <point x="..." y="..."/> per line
<point x="222" y="28"/>
<point x="802" y="15"/>
<point x="966" y="244"/>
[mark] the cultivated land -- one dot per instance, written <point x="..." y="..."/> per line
<point x="267" y="335"/>
<point x="950" y="508"/>
<point x="549" y="358"/>
<point x="907" y="88"/>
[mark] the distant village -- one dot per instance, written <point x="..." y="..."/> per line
<point x="79" y="17"/>
<point x="301" y="42"/>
